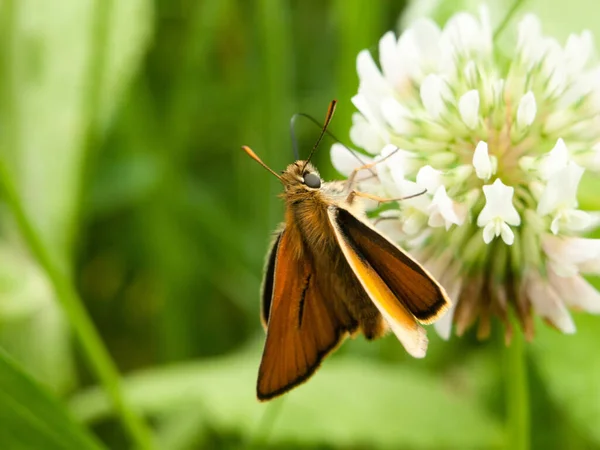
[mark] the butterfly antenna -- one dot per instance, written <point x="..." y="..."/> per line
<point x="328" y="133"/>
<point x="293" y="135"/>
<point x="253" y="155"/>
<point x="328" y="118"/>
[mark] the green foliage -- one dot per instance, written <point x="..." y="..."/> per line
<point x="32" y="418"/>
<point x="130" y="214"/>
<point x="570" y="371"/>
<point x="350" y="402"/>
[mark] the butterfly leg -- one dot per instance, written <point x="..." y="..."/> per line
<point x="369" y="166"/>
<point x="353" y="194"/>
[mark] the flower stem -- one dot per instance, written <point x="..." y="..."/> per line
<point x="509" y="15"/>
<point x="517" y="394"/>
<point x="78" y="317"/>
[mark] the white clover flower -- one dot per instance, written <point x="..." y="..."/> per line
<point x="500" y="143"/>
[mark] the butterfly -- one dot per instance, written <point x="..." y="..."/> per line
<point x="330" y="274"/>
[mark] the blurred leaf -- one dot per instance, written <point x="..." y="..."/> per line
<point x="182" y="430"/>
<point x="570" y="368"/>
<point x="30" y="320"/>
<point x="128" y="33"/>
<point x="41" y="346"/>
<point x="32" y="419"/>
<point x="69" y="62"/>
<point x="64" y="64"/>
<point x="24" y="288"/>
<point x="127" y="179"/>
<point x="349" y="402"/>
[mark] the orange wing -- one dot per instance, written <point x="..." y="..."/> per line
<point x="399" y="287"/>
<point x="302" y="327"/>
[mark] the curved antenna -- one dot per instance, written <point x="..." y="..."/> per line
<point x="293" y="134"/>
<point x="327" y="132"/>
<point x="328" y="118"/>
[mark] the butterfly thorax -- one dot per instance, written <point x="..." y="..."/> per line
<point x="307" y="201"/>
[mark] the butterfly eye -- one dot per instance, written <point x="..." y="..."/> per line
<point x="312" y="180"/>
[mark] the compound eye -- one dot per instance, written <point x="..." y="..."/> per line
<point x="312" y="180"/>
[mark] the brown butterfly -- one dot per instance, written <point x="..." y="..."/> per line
<point x="329" y="274"/>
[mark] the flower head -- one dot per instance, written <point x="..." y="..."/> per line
<point x="499" y="143"/>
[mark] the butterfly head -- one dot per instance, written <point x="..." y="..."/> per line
<point x="301" y="177"/>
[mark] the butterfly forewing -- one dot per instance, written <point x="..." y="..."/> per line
<point x="396" y="314"/>
<point x="414" y="287"/>
<point x="302" y="326"/>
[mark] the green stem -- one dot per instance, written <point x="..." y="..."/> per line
<point x="78" y="318"/>
<point x="507" y="18"/>
<point x="517" y="394"/>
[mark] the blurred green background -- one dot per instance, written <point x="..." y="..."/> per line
<point x="121" y="123"/>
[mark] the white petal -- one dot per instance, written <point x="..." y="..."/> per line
<point x="464" y="34"/>
<point x="443" y="326"/>
<point x="429" y="178"/>
<point x="413" y="221"/>
<point x="468" y="105"/>
<point x="507" y="234"/>
<point x="561" y="190"/>
<point x="578" y="50"/>
<point x="433" y="91"/>
<point x="364" y="135"/>
<point x="391" y="65"/>
<point x="548" y="304"/>
<point x="558" y="119"/>
<point x="556" y="159"/>
<point x="391" y="227"/>
<point x="489" y="232"/>
<point x="529" y="42"/>
<point x="345" y="161"/>
<point x="442" y="210"/>
<point x="481" y="161"/>
<point x="369" y="74"/>
<point x="498" y="91"/>
<point x="485" y="37"/>
<point x="570" y="220"/>
<point x="555" y="225"/>
<point x="395" y="163"/>
<point x="527" y="110"/>
<point x="452" y="283"/>
<point x="498" y="204"/>
<point x="575" y="292"/>
<point x="570" y="255"/>
<point x="471" y="73"/>
<point x="590" y="159"/>
<point x="396" y="115"/>
<point x="369" y="108"/>
<point x="554" y="68"/>
<point x="418" y="49"/>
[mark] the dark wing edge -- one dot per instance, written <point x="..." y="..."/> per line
<point x="267" y="284"/>
<point x="411" y="283"/>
